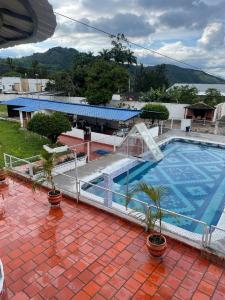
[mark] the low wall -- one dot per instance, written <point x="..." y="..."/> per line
<point x="78" y="133"/>
<point x="112" y="140"/>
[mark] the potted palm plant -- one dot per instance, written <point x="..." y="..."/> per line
<point x="54" y="195"/>
<point x="156" y="242"/>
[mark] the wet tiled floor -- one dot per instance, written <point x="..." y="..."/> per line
<point x="81" y="146"/>
<point x="79" y="252"/>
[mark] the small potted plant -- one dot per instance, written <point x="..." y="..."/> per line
<point x="156" y="242"/>
<point x="54" y="195"/>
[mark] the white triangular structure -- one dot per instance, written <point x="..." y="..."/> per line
<point x="140" y="143"/>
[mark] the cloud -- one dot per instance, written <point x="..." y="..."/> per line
<point x="190" y="30"/>
<point x="130" y="24"/>
<point x="213" y="36"/>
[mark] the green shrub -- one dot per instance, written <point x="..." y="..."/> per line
<point x="50" y="126"/>
<point x="155" y="112"/>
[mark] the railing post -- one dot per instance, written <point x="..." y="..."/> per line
<point x="114" y="144"/>
<point x="88" y="151"/>
<point x="5" y="160"/>
<point x="10" y="161"/>
<point x="31" y="171"/>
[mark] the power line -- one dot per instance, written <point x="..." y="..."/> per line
<point x="130" y="42"/>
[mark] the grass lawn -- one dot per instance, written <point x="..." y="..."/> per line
<point x="17" y="142"/>
<point x="3" y="110"/>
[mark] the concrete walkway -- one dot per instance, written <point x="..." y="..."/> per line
<point x="67" y="180"/>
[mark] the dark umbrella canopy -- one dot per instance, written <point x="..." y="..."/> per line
<point x="25" y="21"/>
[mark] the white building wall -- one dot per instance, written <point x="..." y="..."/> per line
<point x="9" y="82"/>
<point x="176" y="111"/>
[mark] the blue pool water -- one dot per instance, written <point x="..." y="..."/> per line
<point x="194" y="176"/>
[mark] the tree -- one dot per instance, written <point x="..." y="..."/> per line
<point x="183" y="94"/>
<point x="105" y="54"/>
<point x="155" y="112"/>
<point x="103" y="80"/>
<point x="50" y="126"/>
<point x="148" y="78"/>
<point x="154" y="95"/>
<point x="213" y="97"/>
<point x="119" y="52"/>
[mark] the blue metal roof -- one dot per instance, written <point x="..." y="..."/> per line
<point x="26" y="109"/>
<point x="107" y="113"/>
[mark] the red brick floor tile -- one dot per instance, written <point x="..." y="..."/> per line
<point x="98" y="297"/>
<point x="71" y="273"/>
<point x="33" y="289"/>
<point x="101" y="279"/>
<point x="140" y="276"/>
<point x="18" y="286"/>
<point x="96" y="268"/>
<point x="56" y="271"/>
<point x="92" y="288"/>
<point x="65" y="293"/>
<point x="200" y="296"/>
<point x="125" y="272"/>
<point x="60" y="282"/>
<point x="86" y="276"/>
<point x="140" y="295"/>
<point x="20" y="296"/>
<point x="206" y="288"/>
<point x="107" y="291"/>
<point x="124" y="294"/>
<point x="183" y="294"/>
<point x="110" y="270"/>
<point x="48" y="292"/>
<point x="156" y="278"/>
<point x="218" y="296"/>
<point x="80" y="252"/>
<point x="81" y="296"/>
<point x="132" y="285"/>
<point x="165" y="292"/>
<point x="117" y="281"/>
<point x="149" y="288"/>
<point x="76" y="285"/>
<point x="189" y="284"/>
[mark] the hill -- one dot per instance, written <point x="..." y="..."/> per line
<point x="59" y="58"/>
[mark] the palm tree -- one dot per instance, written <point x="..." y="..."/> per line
<point x="105" y="54"/>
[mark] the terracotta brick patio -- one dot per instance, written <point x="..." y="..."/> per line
<point x="79" y="252"/>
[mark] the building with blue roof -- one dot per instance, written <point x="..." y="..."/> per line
<point x="25" y="108"/>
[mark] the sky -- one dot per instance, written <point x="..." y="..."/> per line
<point x="189" y="30"/>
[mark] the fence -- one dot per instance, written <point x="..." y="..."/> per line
<point x="216" y="239"/>
<point x="95" y="193"/>
<point x="98" y="195"/>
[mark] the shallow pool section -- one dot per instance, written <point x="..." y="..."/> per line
<point x="194" y="175"/>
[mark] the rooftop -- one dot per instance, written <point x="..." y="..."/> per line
<point x="80" y="252"/>
<point x="99" y="112"/>
<point x="200" y="106"/>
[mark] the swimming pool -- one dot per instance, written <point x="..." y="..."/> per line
<point x="194" y="176"/>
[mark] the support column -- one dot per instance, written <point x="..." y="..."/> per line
<point x="108" y="185"/>
<point x="21" y="119"/>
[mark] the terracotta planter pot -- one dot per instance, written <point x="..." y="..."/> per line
<point x="156" y="249"/>
<point x="54" y="199"/>
<point x="2" y="175"/>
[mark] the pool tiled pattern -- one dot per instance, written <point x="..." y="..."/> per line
<point x="79" y="252"/>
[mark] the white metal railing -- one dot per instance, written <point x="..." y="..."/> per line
<point x="199" y="238"/>
<point x="216" y="239"/>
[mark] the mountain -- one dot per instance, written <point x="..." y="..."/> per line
<point x="59" y="58"/>
<point x="177" y="74"/>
